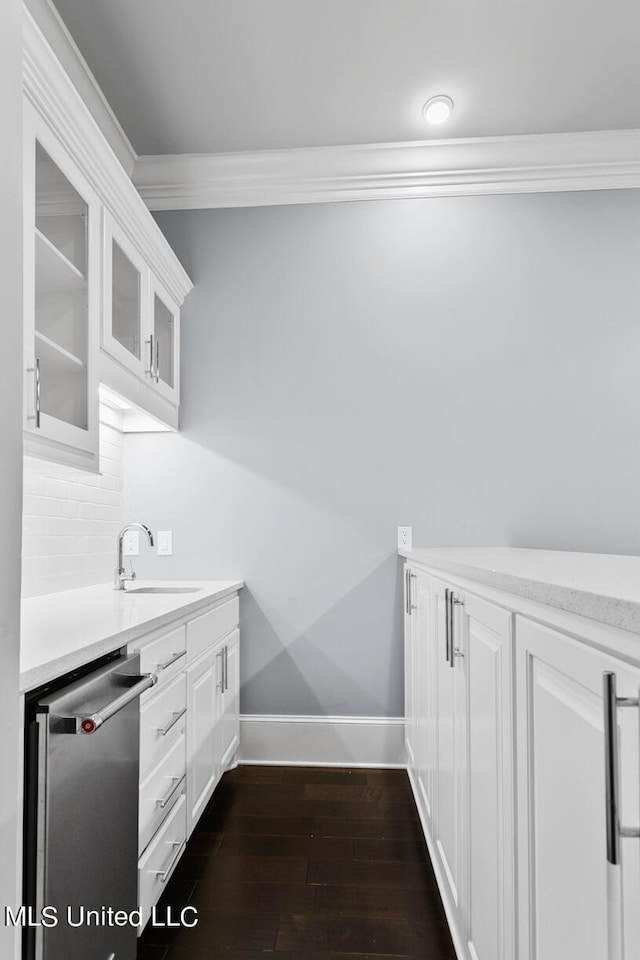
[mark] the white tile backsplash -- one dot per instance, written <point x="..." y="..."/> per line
<point x="71" y="520"/>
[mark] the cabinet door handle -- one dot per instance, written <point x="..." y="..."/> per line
<point x="455" y="651"/>
<point x="615" y="831"/>
<point x="163" y="731"/>
<point x="226" y="667"/>
<point x="447" y="594"/>
<point x="220" y="682"/>
<point x="407" y="592"/>
<point x="157" y="359"/>
<point x="35" y="370"/>
<point x="150" y="372"/>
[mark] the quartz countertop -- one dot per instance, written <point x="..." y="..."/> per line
<point x="603" y="587"/>
<point x="63" y="631"/>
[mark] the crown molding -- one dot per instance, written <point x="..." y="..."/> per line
<point x="75" y="66"/>
<point x="54" y="95"/>
<point x="601" y="160"/>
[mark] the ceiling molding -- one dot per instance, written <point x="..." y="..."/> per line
<point x="75" y="66"/>
<point x="601" y="160"/>
<point x="47" y="86"/>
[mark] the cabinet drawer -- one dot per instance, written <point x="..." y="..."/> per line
<point x="161" y="789"/>
<point x="160" y="858"/>
<point x="162" y="719"/>
<point x="211" y="627"/>
<point x="165" y="655"/>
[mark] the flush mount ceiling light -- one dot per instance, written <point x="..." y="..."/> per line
<point x="437" y="109"/>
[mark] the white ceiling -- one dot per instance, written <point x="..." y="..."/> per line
<point x="203" y="76"/>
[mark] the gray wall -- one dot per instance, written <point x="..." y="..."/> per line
<point x="466" y="365"/>
<point x="11" y="446"/>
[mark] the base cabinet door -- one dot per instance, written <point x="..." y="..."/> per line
<point x="573" y="902"/>
<point x="424" y="693"/>
<point x="489" y="909"/>
<point x="451" y="750"/>
<point x="201" y="735"/>
<point x="229" y="722"/>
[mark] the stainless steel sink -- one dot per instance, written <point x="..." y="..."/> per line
<point x="164" y="590"/>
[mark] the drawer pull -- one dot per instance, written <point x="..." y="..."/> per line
<point x="163" y="731"/>
<point x="163" y="801"/>
<point x="163" y="874"/>
<point x="172" y="659"/>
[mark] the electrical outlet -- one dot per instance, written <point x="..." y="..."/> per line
<point x="404" y="538"/>
<point x="131" y="544"/>
<point x="165" y="543"/>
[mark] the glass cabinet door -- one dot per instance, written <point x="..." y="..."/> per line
<point x="61" y="301"/>
<point x="61" y="296"/>
<point x="165" y="344"/>
<point x="125" y="327"/>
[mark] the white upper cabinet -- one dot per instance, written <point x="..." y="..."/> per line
<point x="141" y="321"/>
<point x="102" y="287"/>
<point x="61" y="301"/>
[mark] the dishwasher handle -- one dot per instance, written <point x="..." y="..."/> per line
<point x="94" y="722"/>
<point x="91" y="723"/>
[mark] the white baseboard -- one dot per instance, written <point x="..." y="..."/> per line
<point x="323" y="741"/>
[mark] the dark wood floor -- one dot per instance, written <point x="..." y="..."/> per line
<point x="307" y="863"/>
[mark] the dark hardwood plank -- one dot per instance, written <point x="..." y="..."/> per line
<point x="244" y="931"/>
<point x="391" y="902"/>
<point x="203" y="844"/>
<point x="365" y="935"/>
<point x="370" y="874"/>
<point x="274" y="898"/>
<point x="351" y="791"/>
<point x="320" y="848"/>
<point x="221" y="869"/>
<point x="151" y="951"/>
<point x="240" y="805"/>
<point x="394" y="849"/>
<point x="213" y="952"/>
<point x="259" y="826"/>
<point x="367" y="828"/>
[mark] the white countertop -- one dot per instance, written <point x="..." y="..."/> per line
<point x="62" y="631"/>
<point x="604" y="587"/>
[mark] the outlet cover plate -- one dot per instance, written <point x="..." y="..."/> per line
<point x="405" y="538"/>
<point x="131" y="544"/>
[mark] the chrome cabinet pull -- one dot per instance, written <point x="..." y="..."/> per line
<point x="35" y="370"/>
<point x="163" y="874"/>
<point x="447" y="594"/>
<point x="615" y="831"/>
<point x="172" y="659"/>
<point x="157" y="359"/>
<point x="38" y="391"/>
<point x="150" y="372"/>
<point x="220" y="682"/>
<point x="455" y="651"/>
<point x="407" y="592"/>
<point x="226" y="667"/>
<point x="177" y="781"/>
<point x="163" y="731"/>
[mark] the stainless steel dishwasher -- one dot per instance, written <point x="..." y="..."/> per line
<point x="81" y="840"/>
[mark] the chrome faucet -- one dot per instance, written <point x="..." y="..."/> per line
<point x="120" y="576"/>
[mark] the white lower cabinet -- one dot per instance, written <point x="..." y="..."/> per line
<point x="509" y="757"/>
<point x="573" y="902"/>
<point x="202" y="709"/>
<point x="189" y="735"/>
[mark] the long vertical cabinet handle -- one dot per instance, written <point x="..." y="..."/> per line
<point x="447" y="636"/>
<point x="226" y="667"/>
<point x="37" y="388"/>
<point x="407" y="592"/>
<point x="151" y="371"/>
<point x="615" y="831"/>
<point x="157" y="360"/>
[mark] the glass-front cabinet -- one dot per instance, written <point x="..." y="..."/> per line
<point x="61" y="302"/>
<point x="140" y="320"/>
